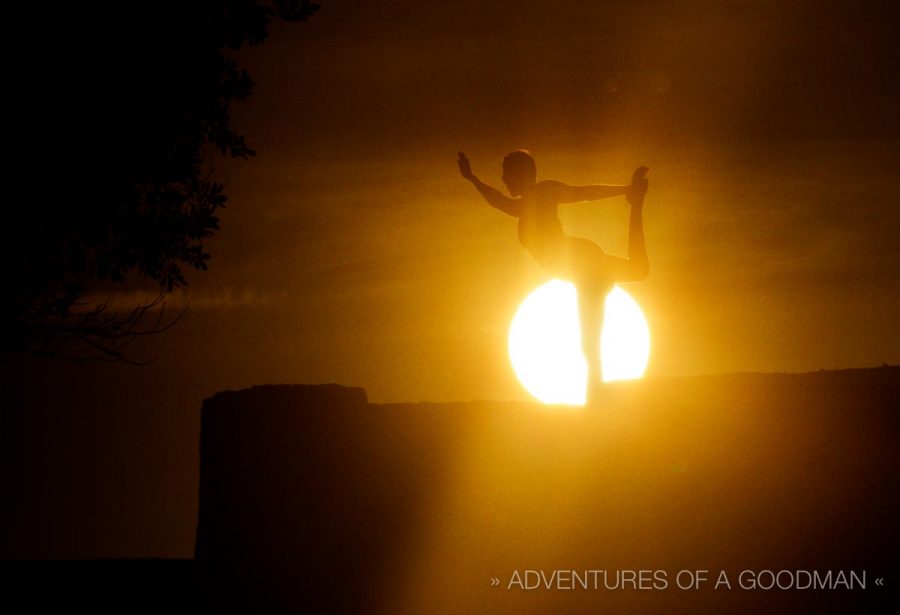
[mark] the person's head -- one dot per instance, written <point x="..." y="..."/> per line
<point x="519" y="172"/>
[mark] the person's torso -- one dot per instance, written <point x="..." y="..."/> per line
<point x="540" y="228"/>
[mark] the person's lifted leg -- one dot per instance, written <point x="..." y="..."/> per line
<point x="637" y="250"/>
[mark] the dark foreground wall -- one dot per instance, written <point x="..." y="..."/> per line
<point x="314" y="501"/>
<point x="105" y="586"/>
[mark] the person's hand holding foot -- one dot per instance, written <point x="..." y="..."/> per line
<point x="639" y="185"/>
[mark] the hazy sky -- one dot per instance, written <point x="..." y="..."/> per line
<point x="770" y="129"/>
<point x="351" y="251"/>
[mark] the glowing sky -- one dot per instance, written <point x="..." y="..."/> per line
<point x="351" y="251"/>
<point x="769" y="128"/>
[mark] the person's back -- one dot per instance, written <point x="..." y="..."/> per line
<point x="540" y="229"/>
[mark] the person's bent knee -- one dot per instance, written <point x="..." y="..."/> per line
<point x="636" y="272"/>
<point x="642" y="271"/>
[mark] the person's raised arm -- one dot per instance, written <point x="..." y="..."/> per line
<point x="493" y="196"/>
<point x="579" y="194"/>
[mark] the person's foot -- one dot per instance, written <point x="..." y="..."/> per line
<point x="638" y="188"/>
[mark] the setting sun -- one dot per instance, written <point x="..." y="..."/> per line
<point x="545" y="343"/>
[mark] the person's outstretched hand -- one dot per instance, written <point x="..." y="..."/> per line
<point x="638" y="187"/>
<point x="465" y="169"/>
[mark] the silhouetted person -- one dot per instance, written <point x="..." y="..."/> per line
<point x="574" y="259"/>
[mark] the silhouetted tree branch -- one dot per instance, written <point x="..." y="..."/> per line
<point x="117" y="113"/>
<point x="104" y="331"/>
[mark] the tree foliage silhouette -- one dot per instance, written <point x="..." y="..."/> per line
<point x="120" y="111"/>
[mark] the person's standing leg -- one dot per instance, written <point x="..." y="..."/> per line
<point x="591" y="299"/>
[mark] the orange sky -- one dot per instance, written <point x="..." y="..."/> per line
<point x="769" y="128"/>
<point x="351" y="251"/>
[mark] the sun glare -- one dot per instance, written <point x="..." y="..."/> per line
<point x="545" y="343"/>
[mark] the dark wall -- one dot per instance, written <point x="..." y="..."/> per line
<point x="314" y="501"/>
